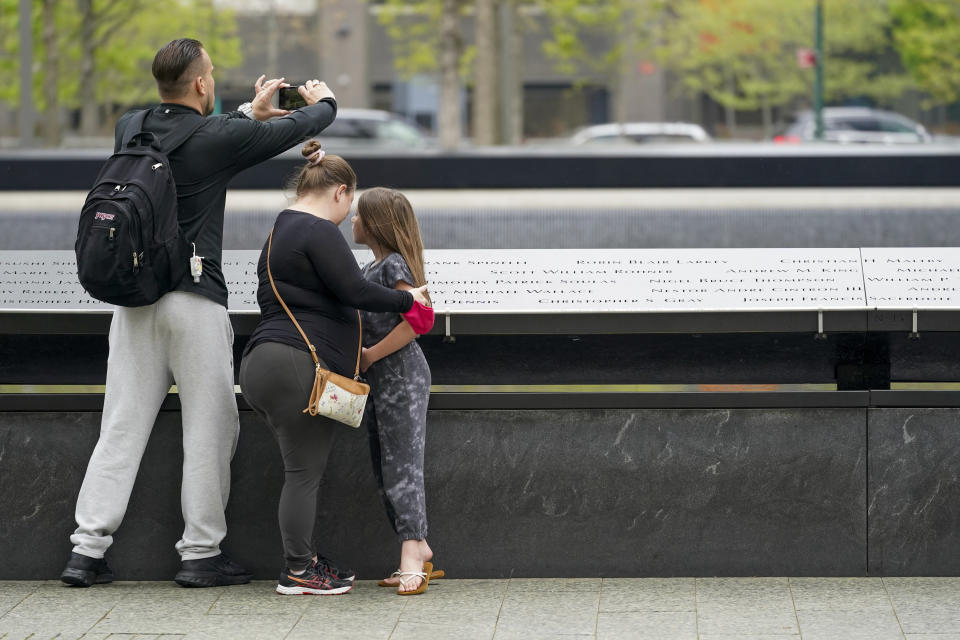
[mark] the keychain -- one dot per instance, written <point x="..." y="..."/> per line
<point x="196" y="264"/>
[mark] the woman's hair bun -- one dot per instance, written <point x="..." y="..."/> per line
<point x="310" y="147"/>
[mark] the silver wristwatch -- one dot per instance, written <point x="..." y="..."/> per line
<point x="246" y="109"/>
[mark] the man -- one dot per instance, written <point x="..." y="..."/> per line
<point x="186" y="336"/>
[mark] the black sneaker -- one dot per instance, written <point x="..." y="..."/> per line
<point x="311" y="582"/>
<point x="324" y="565"/>
<point x="218" y="571"/>
<point x="83" y="571"/>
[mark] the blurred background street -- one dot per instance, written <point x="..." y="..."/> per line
<point x="455" y="73"/>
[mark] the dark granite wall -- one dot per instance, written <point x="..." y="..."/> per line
<point x="914" y="496"/>
<point x="522" y="493"/>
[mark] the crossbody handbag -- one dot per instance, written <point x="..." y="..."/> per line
<point x="333" y="396"/>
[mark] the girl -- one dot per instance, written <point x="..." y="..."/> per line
<point x="399" y="378"/>
<point x="317" y="277"/>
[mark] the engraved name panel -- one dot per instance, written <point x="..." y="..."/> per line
<point x="533" y="281"/>
<point x="912" y="277"/>
<point x="573" y="280"/>
<point x="43" y="280"/>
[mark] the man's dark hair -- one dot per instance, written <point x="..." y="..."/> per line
<point x="171" y="64"/>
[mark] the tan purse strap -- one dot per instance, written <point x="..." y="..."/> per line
<point x="313" y="350"/>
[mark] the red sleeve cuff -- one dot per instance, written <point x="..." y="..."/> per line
<point x="419" y="317"/>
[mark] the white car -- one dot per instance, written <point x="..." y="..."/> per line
<point x="640" y="133"/>
<point x="855" y="125"/>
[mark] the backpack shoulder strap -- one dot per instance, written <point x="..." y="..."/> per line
<point x="169" y="143"/>
<point x="134" y="126"/>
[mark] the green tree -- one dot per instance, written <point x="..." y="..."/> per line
<point x="742" y="53"/>
<point x="427" y="36"/>
<point x="630" y="27"/>
<point x="619" y="22"/>
<point x="105" y="49"/>
<point x="926" y="35"/>
<point x="9" y="49"/>
<point x="128" y="34"/>
<point x="416" y="27"/>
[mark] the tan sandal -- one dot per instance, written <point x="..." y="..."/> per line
<point x="407" y="576"/>
<point x="434" y="575"/>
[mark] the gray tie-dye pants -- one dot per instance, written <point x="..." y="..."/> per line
<point x="396" y="419"/>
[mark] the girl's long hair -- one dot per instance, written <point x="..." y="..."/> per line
<point x="388" y="217"/>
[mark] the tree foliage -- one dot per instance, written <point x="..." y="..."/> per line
<point x="127" y="34"/>
<point x="573" y="23"/>
<point x="926" y="35"/>
<point x="414" y="28"/>
<point x="742" y="53"/>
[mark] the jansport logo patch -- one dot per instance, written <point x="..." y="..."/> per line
<point x="104" y="216"/>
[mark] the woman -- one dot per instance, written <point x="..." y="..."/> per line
<point x="399" y="377"/>
<point x="317" y="276"/>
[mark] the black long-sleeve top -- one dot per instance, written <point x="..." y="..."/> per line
<point x="319" y="280"/>
<point x="202" y="167"/>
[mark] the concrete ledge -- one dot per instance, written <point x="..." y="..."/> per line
<point x="73" y="402"/>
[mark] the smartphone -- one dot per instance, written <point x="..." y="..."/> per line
<point x="290" y="99"/>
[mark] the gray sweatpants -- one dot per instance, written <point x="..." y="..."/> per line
<point x="183" y="338"/>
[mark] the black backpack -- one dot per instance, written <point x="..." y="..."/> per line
<point x="130" y="250"/>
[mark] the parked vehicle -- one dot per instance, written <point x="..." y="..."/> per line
<point x="852" y="125"/>
<point x="371" y="128"/>
<point x="640" y="133"/>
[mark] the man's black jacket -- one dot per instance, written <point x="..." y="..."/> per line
<point x="203" y="166"/>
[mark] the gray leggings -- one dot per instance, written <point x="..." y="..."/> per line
<point x="276" y="379"/>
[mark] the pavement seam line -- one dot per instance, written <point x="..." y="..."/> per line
<point x="893" y="607"/>
<point x="793" y="601"/>
<point x="20" y="602"/>
<point x="503" y="596"/>
<point x="102" y="618"/>
<point x="295" y="624"/>
<point x="596" y="622"/>
<point x="399" y="617"/>
<point x="696" y="609"/>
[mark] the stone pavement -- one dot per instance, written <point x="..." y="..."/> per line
<point x="527" y="609"/>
